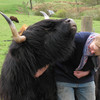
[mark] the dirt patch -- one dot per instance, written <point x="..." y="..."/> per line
<point x="72" y="3"/>
<point x="82" y="9"/>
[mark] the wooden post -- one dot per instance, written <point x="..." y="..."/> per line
<point x="86" y="24"/>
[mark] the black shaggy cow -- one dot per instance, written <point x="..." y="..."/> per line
<point x="42" y="43"/>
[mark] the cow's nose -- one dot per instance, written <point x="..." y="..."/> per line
<point x="69" y="20"/>
<point x="72" y="23"/>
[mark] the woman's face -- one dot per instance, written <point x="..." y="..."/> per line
<point x="94" y="49"/>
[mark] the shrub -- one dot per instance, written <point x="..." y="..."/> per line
<point x="93" y="13"/>
<point x="61" y="13"/>
<point x="42" y="7"/>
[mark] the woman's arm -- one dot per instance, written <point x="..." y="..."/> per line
<point x="80" y="74"/>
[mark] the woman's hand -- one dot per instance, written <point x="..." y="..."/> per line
<point x="80" y="74"/>
<point x="41" y="71"/>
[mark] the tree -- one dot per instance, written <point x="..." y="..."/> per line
<point x="98" y="2"/>
<point x="31" y="4"/>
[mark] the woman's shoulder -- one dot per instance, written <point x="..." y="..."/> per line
<point x="82" y="36"/>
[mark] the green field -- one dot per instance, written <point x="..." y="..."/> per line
<point x="11" y="6"/>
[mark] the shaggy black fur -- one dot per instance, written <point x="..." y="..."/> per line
<point x="47" y="41"/>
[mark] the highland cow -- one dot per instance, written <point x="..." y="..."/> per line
<point x="42" y="43"/>
<point x="13" y="18"/>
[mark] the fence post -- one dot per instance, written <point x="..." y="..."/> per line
<point x="86" y="24"/>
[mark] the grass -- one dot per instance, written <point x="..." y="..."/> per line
<point x="12" y="6"/>
<point x="12" y="1"/>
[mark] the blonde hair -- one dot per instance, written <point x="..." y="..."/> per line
<point x="97" y="40"/>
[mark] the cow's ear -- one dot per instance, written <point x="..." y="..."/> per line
<point x="14" y="52"/>
<point x="15" y="49"/>
<point x="50" y="26"/>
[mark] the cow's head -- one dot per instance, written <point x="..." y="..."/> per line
<point x="48" y="40"/>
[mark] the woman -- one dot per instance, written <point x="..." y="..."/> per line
<point x="76" y="75"/>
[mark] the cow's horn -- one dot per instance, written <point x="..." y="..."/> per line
<point x="16" y="36"/>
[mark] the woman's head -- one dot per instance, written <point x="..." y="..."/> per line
<point x="95" y="46"/>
